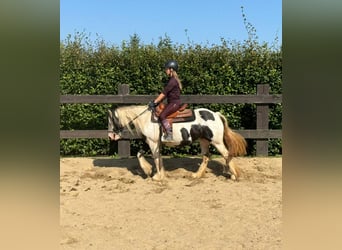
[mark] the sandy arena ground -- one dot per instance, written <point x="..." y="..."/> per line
<point x="107" y="203"/>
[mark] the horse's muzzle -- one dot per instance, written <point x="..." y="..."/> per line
<point x="113" y="136"/>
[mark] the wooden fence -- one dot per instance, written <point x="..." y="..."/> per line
<point x="262" y="99"/>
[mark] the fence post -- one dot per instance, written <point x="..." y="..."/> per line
<point x="124" y="146"/>
<point x="262" y="120"/>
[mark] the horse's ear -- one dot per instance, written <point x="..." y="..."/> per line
<point x="110" y="114"/>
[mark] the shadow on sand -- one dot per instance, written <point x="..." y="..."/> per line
<point x="190" y="164"/>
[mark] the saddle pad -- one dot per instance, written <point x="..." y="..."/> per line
<point x="187" y="115"/>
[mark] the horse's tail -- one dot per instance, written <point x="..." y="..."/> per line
<point x="235" y="142"/>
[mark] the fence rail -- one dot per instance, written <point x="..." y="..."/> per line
<point x="100" y="134"/>
<point x="262" y="99"/>
<point x="194" y="99"/>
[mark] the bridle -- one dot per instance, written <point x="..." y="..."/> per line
<point x="119" y="130"/>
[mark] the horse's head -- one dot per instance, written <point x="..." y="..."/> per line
<point x="114" y="126"/>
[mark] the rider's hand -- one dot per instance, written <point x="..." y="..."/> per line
<point x="152" y="105"/>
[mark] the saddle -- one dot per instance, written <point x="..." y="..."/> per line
<point x="181" y="115"/>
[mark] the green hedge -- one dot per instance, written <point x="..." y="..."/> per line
<point x="228" y="68"/>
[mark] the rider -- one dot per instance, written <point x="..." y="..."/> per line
<point x="171" y="92"/>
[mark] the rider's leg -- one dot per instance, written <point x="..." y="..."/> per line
<point x="168" y="130"/>
<point x="169" y="109"/>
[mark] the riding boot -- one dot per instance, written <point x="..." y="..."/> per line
<point x="168" y="130"/>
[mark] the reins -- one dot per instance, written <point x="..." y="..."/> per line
<point x="136" y="117"/>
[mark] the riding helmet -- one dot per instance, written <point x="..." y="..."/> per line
<point x="171" y="64"/>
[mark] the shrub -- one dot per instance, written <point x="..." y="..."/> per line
<point x="228" y="68"/>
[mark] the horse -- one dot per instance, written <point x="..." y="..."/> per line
<point x="203" y="125"/>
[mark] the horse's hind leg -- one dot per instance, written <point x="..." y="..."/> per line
<point x="230" y="167"/>
<point x="205" y="159"/>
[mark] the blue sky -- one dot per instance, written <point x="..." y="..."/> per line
<point x="201" y="22"/>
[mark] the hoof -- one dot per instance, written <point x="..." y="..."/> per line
<point x="196" y="175"/>
<point x="157" y="177"/>
<point x="148" y="173"/>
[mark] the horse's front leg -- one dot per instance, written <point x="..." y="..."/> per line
<point x="144" y="164"/>
<point x="160" y="175"/>
<point x="158" y="161"/>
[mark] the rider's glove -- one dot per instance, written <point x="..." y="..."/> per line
<point x="152" y="105"/>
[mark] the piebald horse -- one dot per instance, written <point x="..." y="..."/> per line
<point x="206" y="126"/>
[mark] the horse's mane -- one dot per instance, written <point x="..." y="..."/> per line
<point x="127" y="114"/>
